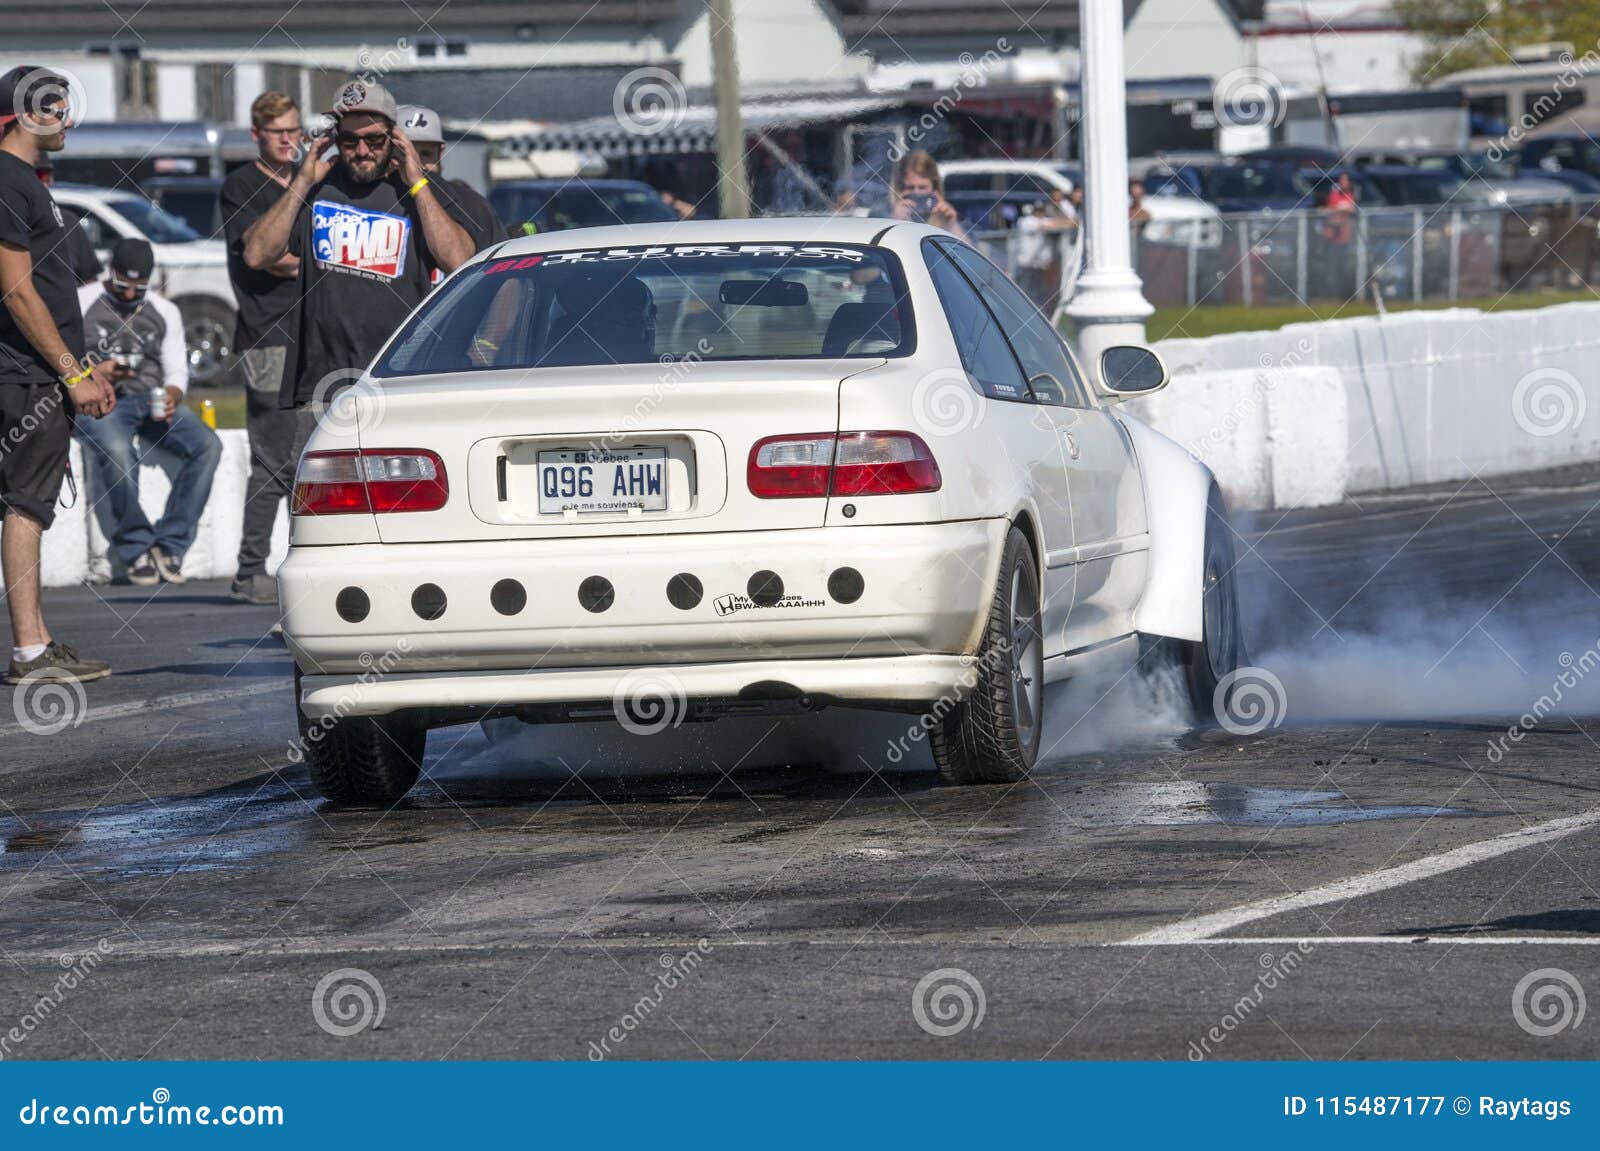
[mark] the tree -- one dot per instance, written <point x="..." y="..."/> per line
<point x="1460" y="34"/>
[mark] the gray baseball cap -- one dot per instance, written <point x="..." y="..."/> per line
<point x="421" y="124"/>
<point x="360" y="96"/>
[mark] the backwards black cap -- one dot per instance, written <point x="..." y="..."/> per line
<point x="132" y="261"/>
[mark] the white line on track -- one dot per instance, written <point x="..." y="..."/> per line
<point x="1203" y="928"/>
<point x="1312" y="941"/>
<point x="168" y="702"/>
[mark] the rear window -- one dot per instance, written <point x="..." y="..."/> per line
<point x="660" y="305"/>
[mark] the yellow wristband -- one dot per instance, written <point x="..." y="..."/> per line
<point x="418" y="186"/>
<point x="78" y="379"/>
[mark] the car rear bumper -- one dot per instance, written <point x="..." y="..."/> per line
<point x="644" y="695"/>
<point x="917" y="590"/>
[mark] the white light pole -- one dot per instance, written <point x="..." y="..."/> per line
<point x="1109" y="307"/>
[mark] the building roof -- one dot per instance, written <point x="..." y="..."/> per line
<point x="134" y="17"/>
<point x="494" y="94"/>
<point x="920" y="18"/>
<point x="694" y="129"/>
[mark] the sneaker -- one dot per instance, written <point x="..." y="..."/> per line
<point x="142" y="572"/>
<point x="61" y="662"/>
<point x="260" y="589"/>
<point x="169" y="566"/>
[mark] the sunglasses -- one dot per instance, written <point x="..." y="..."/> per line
<point x="295" y="131"/>
<point x="373" y="140"/>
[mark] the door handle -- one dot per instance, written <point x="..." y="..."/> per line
<point x="1072" y="444"/>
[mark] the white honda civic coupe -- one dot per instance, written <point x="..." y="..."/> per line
<point x="665" y="472"/>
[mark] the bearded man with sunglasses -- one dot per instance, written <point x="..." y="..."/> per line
<point x="369" y="233"/>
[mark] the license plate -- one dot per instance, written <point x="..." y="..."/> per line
<point x="613" y="480"/>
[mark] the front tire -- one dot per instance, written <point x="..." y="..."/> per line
<point x="992" y="733"/>
<point x="1220" y="651"/>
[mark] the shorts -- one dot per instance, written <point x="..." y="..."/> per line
<point x="35" y="436"/>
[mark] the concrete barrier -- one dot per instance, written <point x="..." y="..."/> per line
<point x="1434" y="396"/>
<point x="75" y="548"/>
<point x="1274" y="437"/>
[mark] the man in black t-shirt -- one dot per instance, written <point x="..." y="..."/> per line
<point x="41" y="365"/>
<point x="269" y="307"/>
<point x="80" y="252"/>
<point x="460" y="199"/>
<point x="369" y="232"/>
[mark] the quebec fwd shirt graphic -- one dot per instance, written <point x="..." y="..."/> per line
<point x="357" y="240"/>
<point x="363" y="267"/>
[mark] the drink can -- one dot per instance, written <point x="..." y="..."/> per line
<point x="158" y="403"/>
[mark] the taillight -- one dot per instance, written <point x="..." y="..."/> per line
<point x="371" y="480"/>
<point x="841" y="464"/>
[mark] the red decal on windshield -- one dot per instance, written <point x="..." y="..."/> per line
<point x="511" y="265"/>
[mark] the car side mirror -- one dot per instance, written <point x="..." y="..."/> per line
<point x="1131" y="370"/>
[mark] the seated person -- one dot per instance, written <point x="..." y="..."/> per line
<point x="142" y="333"/>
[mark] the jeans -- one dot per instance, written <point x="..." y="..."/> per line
<point x="272" y="457"/>
<point x="117" y="444"/>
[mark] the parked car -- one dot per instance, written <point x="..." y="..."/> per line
<point x="996" y="189"/>
<point x="1499" y="180"/>
<point x="1254" y="186"/>
<point x="1418" y="187"/>
<point x="191" y="271"/>
<point x="882" y="480"/>
<point x="1571" y="152"/>
<point x="196" y="200"/>
<point x="557" y="205"/>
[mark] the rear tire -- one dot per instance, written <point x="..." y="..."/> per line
<point x="1220" y="651"/>
<point x="362" y="761"/>
<point x="992" y="733"/>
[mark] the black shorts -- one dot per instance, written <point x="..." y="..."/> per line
<point x="35" y="435"/>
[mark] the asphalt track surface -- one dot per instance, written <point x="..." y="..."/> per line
<point x="1362" y="880"/>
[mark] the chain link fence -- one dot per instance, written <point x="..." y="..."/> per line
<point x="1288" y="258"/>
